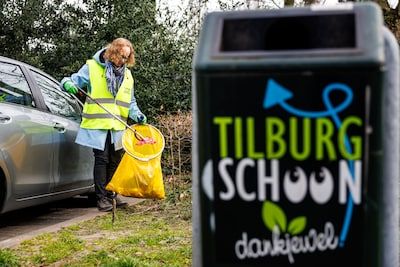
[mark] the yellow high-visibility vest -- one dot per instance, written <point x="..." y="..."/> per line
<point x="93" y="116"/>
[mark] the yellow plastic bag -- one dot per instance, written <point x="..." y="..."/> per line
<point x="139" y="173"/>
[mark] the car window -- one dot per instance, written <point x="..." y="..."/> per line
<point x="13" y="86"/>
<point x="57" y="101"/>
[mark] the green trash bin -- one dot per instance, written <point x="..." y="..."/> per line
<point x="289" y="163"/>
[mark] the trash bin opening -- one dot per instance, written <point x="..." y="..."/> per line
<point x="336" y="31"/>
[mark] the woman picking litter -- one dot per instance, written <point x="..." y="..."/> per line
<point x="106" y="79"/>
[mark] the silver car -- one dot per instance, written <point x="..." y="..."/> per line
<point x="39" y="160"/>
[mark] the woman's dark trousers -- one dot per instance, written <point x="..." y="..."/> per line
<point x="105" y="164"/>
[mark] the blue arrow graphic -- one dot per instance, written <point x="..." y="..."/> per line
<point x="276" y="94"/>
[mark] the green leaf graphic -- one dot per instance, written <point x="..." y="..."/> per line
<point x="273" y="215"/>
<point x="297" y="225"/>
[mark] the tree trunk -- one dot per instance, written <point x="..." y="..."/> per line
<point x="391" y="17"/>
<point x="309" y="2"/>
<point x="288" y="3"/>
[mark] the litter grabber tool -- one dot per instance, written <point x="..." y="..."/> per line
<point x="139" y="173"/>
<point x="138" y="136"/>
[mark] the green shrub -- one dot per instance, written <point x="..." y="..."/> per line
<point x="8" y="258"/>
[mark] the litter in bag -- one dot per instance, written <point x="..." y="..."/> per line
<point x="139" y="173"/>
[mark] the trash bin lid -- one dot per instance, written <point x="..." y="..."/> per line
<point x="147" y="149"/>
<point x="341" y="36"/>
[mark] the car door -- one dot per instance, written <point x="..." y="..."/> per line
<point x="73" y="163"/>
<point x="25" y="136"/>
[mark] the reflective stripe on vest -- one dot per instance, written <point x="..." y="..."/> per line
<point x="93" y="116"/>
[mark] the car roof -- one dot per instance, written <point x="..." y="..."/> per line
<point x="14" y="61"/>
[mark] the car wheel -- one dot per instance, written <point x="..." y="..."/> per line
<point x="92" y="199"/>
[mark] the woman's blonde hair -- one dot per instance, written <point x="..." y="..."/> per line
<point x="114" y="50"/>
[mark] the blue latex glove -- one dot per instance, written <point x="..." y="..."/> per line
<point x="141" y="118"/>
<point x="70" y="87"/>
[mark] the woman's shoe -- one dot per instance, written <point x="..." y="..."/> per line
<point x="104" y="204"/>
